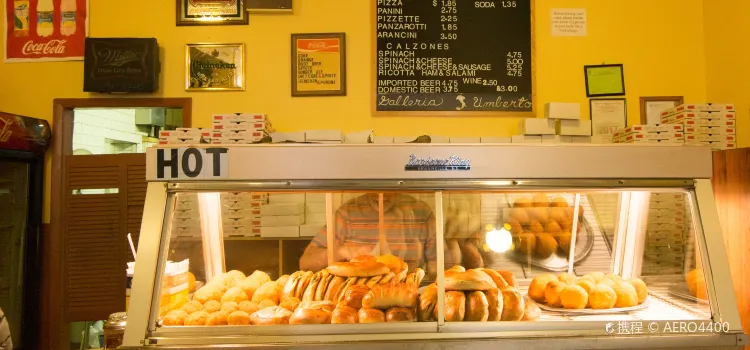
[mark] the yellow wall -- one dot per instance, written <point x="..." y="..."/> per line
<point x="660" y="42"/>
<point x="727" y="50"/>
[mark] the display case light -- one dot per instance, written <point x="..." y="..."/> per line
<point x="209" y="206"/>
<point x="499" y="240"/>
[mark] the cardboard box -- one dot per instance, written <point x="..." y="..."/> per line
<point x="495" y="139"/>
<point x="674" y="136"/>
<point x="241" y="141"/>
<point x="238" y="134"/>
<point x="282" y="220"/>
<point x="383" y="139"/>
<point x="241" y="205"/>
<point x="556" y="139"/>
<point x="580" y="139"/>
<point x="654" y="142"/>
<point x="315" y="197"/>
<point x="239" y="117"/>
<point x="715" y="145"/>
<point x="280" y="231"/>
<point x="282" y="209"/>
<point x="705" y="107"/>
<point x="288" y="137"/>
<point x="286" y="198"/>
<point x="684" y="116"/>
<point x="673" y="128"/>
<point x="242" y="221"/>
<point x="241" y="231"/>
<point x="465" y="139"/>
<point x="562" y="110"/>
<point x="240" y="213"/>
<point x="315" y="208"/>
<point x="667" y="205"/>
<point x="710" y="137"/>
<point x="713" y="130"/>
<point x="526" y="139"/>
<point x="315" y="218"/>
<point x="310" y="230"/>
<point x="574" y="127"/>
<point x="536" y="126"/>
<point x="323" y="135"/>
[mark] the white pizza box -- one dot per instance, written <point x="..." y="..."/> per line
<point x="179" y="142"/>
<point x="580" y="139"/>
<point x="277" y="209"/>
<point x="383" y="139"/>
<point x="464" y="139"/>
<point x="244" y="126"/>
<point x="282" y="220"/>
<point x="726" y="123"/>
<point x="574" y="127"/>
<point x="181" y="132"/>
<point x="243" y="221"/>
<point x="315" y="218"/>
<point x="536" y="126"/>
<point x="249" y="231"/>
<point x="323" y="135"/>
<point x="681" y="117"/>
<point x="244" y="195"/>
<point x="280" y="231"/>
<point x="359" y="137"/>
<point x="713" y="130"/>
<point x="310" y="230"/>
<point x="238" y="134"/>
<point x="562" y="110"/>
<point x="655" y="141"/>
<point x="404" y="139"/>
<point x="652" y="128"/>
<point x="286" y="198"/>
<point x="439" y="139"/>
<point x="240" y="213"/>
<point x="525" y="139"/>
<point x="241" y="204"/>
<point x="495" y="139"/>
<point x="710" y="137"/>
<point x="665" y="136"/>
<point x="315" y="208"/>
<point x="703" y="107"/>
<point x="190" y="204"/>
<point x="715" y="145"/>
<point x="233" y="141"/>
<point x="240" y="117"/>
<point x="556" y="139"/>
<point x="315" y="198"/>
<point x="186" y="213"/>
<point x="288" y="136"/>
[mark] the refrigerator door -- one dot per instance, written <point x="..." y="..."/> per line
<point x="14" y="208"/>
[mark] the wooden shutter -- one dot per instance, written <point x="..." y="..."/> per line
<point x="95" y="231"/>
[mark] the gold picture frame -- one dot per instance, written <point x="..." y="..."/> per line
<point x="211" y="12"/>
<point x="319" y="64"/>
<point x="215" y="67"/>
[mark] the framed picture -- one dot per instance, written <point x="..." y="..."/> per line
<point x="215" y="67"/>
<point x="652" y="106"/>
<point x="604" y="80"/>
<point x="319" y="64"/>
<point x="607" y="116"/>
<point x="211" y="12"/>
<point x="269" y="6"/>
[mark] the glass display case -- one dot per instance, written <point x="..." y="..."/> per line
<point x="497" y="245"/>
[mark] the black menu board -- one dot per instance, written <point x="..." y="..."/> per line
<point x="458" y="56"/>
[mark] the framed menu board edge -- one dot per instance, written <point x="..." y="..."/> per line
<point x="510" y="114"/>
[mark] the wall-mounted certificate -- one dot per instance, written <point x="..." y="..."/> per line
<point x="211" y="12"/>
<point x="269" y="6"/>
<point x="215" y="67"/>
<point x="319" y="64"/>
<point x="604" y="80"/>
<point x="607" y="116"/>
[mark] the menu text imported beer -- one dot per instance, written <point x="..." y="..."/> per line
<point x="453" y="55"/>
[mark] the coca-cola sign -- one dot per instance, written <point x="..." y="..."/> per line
<point x="121" y="65"/>
<point x="24" y="133"/>
<point x="45" y="30"/>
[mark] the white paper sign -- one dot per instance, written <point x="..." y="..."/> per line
<point x="191" y="163"/>
<point x="568" y="22"/>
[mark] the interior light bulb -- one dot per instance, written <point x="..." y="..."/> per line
<point x="499" y="241"/>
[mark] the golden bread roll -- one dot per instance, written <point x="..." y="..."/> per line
<point x="230" y="306"/>
<point x="540" y="214"/>
<point x="553" y="228"/>
<point x="497" y="278"/>
<point x="477" y="307"/>
<point x="235" y="294"/>
<point x="696" y="283"/>
<point x="469" y="280"/>
<point x="400" y="314"/>
<point x="415" y="278"/>
<point x="371" y="316"/>
<point x="568" y="278"/>
<point x="344" y="315"/>
<point x="363" y="269"/>
<point x="455" y="268"/>
<point x="559" y="202"/>
<point x="361" y="281"/>
<point x="221" y="279"/>
<point x="540" y="200"/>
<point x="427" y="303"/>
<point x="208" y="292"/>
<point x="587" y="278"/>
<point x="640" y="289"/>
<point x="238" y="318"/>
<point x="353" y="296"/>
<point x="494" y="304"/>
<point x="613" y="277"/>
<point x="626" y="294"/>
<point x="387" y="278"/>
<point x="536" y="227"/>
<point x="290" y="303"/>
<point x="515" y="226"/>
<point x="552" y="293"/>
<point x="218" y="283"/>
<point x="211" y="306"/>
<point x="260" y="277"/>
<point x="236" y="274"/>
<point x="531" y="310"/>
<point x="218" y="318"/>
<point x="282" y="280"/>
<point x="597" y="276"/>
<point x="197" y="318"/>
<point x="324" y="304"/>
<point x="509" y="277"/>
<point x="192" y="306"/>
<point x="266" y="303"/>
<point x="311" y="315"/>
<point x="351" y="281"/>
<point x="191" y="282"/>
<point x="270" y="316"/>
<point x="309" y="293"/>
<point x="386" y="296"/>
<point x="538" y="286"/>
<point x="249" y="286"/>
<point x="520" y="215"/>
<point x="607" y="282"/>
<point x="455" y="306"/>
<point x="525" y="243"/>
<point x="574" y="297"/>
<point x="325" y="279"/>
<point x="175" y="318"/>
<point x="602" y="297"/>
<point x="564" y="241"/>
<point x="557" y="215"/>
<point x="333" y="287"/>
<point x="513" y="304"/>
<point x="249" y="307"/>
<point x="393" y="263"/>
<point x="302" y="283"/>
<point x="546" y="245"/>
<point x="267" y="291"/>
<point x="588" y="286"/>
<point x="373" y="281"/>
<point x="363" y="258"/>
<point x="291" y="284"/>
<point x="470" y="257"/>
<point x="522" y="203"/>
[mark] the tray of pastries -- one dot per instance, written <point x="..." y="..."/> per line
<point x="594" y="293"/>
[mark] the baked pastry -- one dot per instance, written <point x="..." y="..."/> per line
<point x="266" y="303"/>
<point x="540" y="214"/>
<point x="174" y="318"/>
<point x="470" y="257"/>
<point x="344" y="315"/>
<point x="192" y="306"/>
<point x="236" y="274"/>
<point x="574" y="297"/>
<point x="564" y="240"/>
<point x="197" y="318"/>
<point x="211" y="306"/>
<point x="531" y="310"/>
<point x="538" y="285"/>
<point x="497" y="278"/>
<point x="238" y="318"/>
<point x="607" y="282"/>
<point x="386" y="296"/>
<point x="270" y="316"/>
<point x="314" y="314"/>
<point x="208" y="292"/>
<point x="552" y="293"/>
<point x="559" y="202"/>
<point x="235" y="294"/>
<point x="626" y="294"/>
<point x="249" y="286"/>
<point x="427" y="303"/>
<point x="536" y="227"/>
<point x="371" y="316"/>
<point x="568" y="278"/>
<point x="509" y="277"/>
<point x="248" y="306"/>
<point x="320" y="291"/>
<point x="308" y="294"/>
<point x="522" y="203"/>
<point x="289" y="303"/>
<point x="588" y="286"/>
<point x="415" y="278"/>
<point x="696" y="283"/>
<point x="455" y="306"/>
<point x="363" y="258"/>
<point x="324" y="304"/>
<point x="476" y="307"/>
<point x="513" y="305"/>
<point x="520" y="215"/>
<point x="546" y="245"/>
<point x="281" y="281"/>
<point x="540" y="200"/>
<point x="218" y="318"/>
<point x="640" y="289"/>
<point x="454" y="269"/>
<point x="362" y="269"/>
<point x="494" y="304"/>
<point x="394" y="264"/>
<point x="613" y="277"/>
<point x="333" y="287"/>
<point x="525" y="243"/>
<point x="353" y="296"/>
<point x="268" y="291"/>
<point x="470" y="280"/>
<point x="553" y="228"/>
<point x="302" y="282"/>
<point x="602" y="297"/>
<point x="400" y="314"/>
<point x="230" y="307"/>
<point x="597" y="276"/>
<point x="260" y="277"/>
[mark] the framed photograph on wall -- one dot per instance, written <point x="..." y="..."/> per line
<point x="604" y="80"/>
<point x="215" y="67"/>
<point x="319" y="64"/>
<point x="211" y="12"/>
<point x="607" y="116"/>
<point x="652" y="106"/>
<point x="270" y="6"/>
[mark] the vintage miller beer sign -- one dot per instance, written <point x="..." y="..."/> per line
<point x="121" y="65"/>
<point x="45" y="30"/>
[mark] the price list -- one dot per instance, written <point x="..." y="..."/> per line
<point x="453" y="55"/>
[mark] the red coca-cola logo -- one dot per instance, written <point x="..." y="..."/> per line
<point x="51" y="47"/>
<point x="316" y="45"/>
